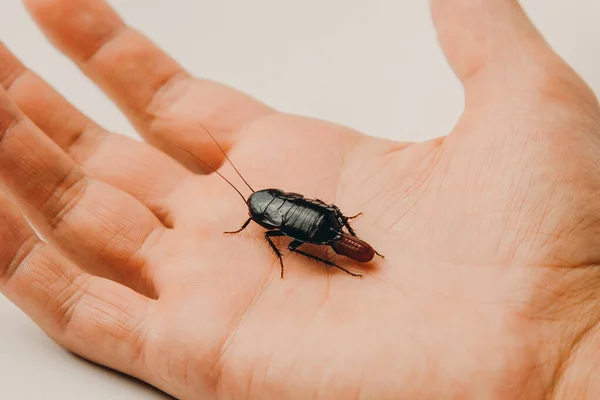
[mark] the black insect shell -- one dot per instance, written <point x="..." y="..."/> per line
<point x="260" y="200"/>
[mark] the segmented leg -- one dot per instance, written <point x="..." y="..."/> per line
<point x="294" y="247"/>
<point x="347" y="225"/>
<point x="350" y="230"/>
<point x="241" y="229"/>
<point x="355" y="216"/>
<point x="268" y="236"/>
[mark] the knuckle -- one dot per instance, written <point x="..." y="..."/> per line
<point x="83" y="144"/>
<point x="562" y="85"/>
<point x="102" y="319"/>
<point x="9" y="123"/>
<point x="29" y="249"/>
<point x="136" y="335"/>
<point x="66" y="303"/>
<point x="112" y="36"/>
<point x="174" y="86"/>
<point x="13" y="77"/>
<point x="66" y="196"/>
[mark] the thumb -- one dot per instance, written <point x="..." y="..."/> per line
<point x="494" y="43"/>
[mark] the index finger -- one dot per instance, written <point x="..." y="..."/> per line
<point x="142" y="80"/>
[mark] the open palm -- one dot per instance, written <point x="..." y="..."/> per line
<point x="488" y="234"/>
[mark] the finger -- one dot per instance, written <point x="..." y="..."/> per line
<point x="478" y="34"/>
<point x="95" y="318"/>
<point x="145" y="83"/>
<point x="93" y="222"/>
<point x="494" y="43"/>
<point x="139" y="169"/>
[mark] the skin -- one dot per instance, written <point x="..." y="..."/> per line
<point x="491" y="233"/>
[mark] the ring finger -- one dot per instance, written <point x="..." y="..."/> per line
<point x="99" y="226"/>
<point x="137" y="168"/>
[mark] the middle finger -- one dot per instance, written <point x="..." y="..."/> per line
<point x="99" y="226"/>
<point x="137" y="168"/>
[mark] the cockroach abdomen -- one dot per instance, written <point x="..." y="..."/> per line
<point x="354" y="248"/>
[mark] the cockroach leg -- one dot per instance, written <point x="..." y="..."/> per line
<point x="239" y="230"/>
<point x="266" y="208"/>
<point x="268" y="236"/>
<point x="350" y="230"/>
<point x="346" y="219"/>
<point x="355" y="216"/>
<point x="294" y="248"/>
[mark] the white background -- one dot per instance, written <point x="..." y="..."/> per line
<point x="372" y="65"/>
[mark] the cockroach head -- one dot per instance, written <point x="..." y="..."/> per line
<point x="260" y="200"/>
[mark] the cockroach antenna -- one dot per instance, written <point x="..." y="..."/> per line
<point x="304" y="220"/>
<point x="225" y="154"/>
<point x="211" y="168"/>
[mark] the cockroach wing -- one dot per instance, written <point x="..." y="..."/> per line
<point x="273" y="213"/>
<point x="354" y="248"/>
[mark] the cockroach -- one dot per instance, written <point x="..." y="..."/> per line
<point x="303" y="219"/>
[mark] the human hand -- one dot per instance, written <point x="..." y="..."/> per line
<point x="490" y="234"/>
